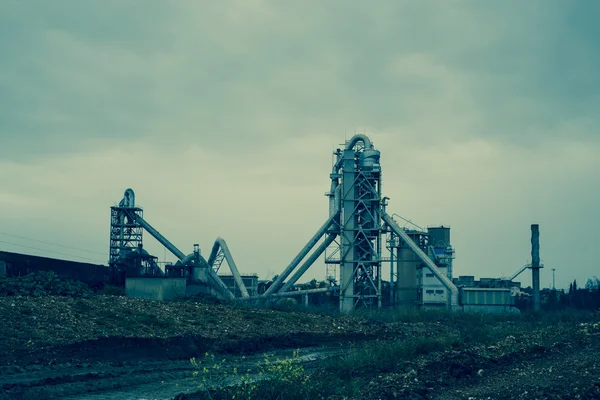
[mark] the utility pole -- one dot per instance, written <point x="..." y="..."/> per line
<point x="553" y="281"/>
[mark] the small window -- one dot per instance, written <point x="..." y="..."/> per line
<point x="429" y="275"/>
<point x="429" y="291"/>
<point x="439" y="291"/>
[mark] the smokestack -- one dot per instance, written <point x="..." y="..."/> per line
<point x="535" y="265"/>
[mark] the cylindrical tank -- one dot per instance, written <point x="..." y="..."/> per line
<point x="406" y="281"/>
<point x="369" y="158"/>
<point x="439" y="236"/>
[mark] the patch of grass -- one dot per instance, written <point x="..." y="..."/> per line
<point x="273" y="379"/>
<point x="287" y="378"/>
<point x="384" y="356"/>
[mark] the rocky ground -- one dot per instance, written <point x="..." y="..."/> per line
<point x="113" y="347"/>
<point x="555" y="362"/>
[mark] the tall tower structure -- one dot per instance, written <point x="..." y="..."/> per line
<point x="535" y="265"/>
<point x="125" y="230"/>
<point x="356" y="223"/>
<point x="360" y="226"/>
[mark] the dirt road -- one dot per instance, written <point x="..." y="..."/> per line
<point x="144" y="380"/>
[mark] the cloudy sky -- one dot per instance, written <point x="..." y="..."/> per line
<point x="222" y="116"/>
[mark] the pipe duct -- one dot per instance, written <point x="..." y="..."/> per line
<point x="220" y="244"/>
<point x="300" y="256"/>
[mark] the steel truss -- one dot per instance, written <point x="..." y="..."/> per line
<point x="125" y="232"/>
<point x="360" y="260"/>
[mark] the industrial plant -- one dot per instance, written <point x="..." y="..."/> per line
<point x="360" y="237"/>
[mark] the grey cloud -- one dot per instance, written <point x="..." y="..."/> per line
<point x="225" y="113"/>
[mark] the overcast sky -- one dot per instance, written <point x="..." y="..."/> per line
<point x="222" y="117"/>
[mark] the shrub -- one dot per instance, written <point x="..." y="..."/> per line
<point x="272" y="379"/>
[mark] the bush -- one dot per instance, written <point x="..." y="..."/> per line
<point x="272" y="379"/>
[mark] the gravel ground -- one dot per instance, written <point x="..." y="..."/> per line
<point x="117" y="348"/>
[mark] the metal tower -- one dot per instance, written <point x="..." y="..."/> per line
<point x="125" y="231"/>
<point x="360" y="226"/>
<point x="352" y="235"/>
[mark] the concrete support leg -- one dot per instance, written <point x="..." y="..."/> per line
<point x="535" y="283"/>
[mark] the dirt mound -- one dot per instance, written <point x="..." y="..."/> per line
<point x="53" y="325"/>
<point x="42" y="283"/>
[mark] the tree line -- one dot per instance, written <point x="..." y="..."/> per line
<point x="581" y="298"/>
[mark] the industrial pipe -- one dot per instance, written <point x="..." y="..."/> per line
<point x="335" y="182"/>
<point x="162" y="240"/>
<point x="359" y="138"/>
<point x="220" y="284"/>
<point x="291" y="294"/>
<point x="333" y="202"/>
<point x="182" y="257"/>
<point x="128" y="200"/>
<point x="519" y="272"/>
<point x="310" y="261"/>
<point x="305" y="250"/>
<point x="426" y="260"/>
<point x="187" y="259"/>
<point x="221" y="244"/>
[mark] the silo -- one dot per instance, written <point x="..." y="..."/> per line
<point x="406" y="281"/>
<point x="439" y="236"/>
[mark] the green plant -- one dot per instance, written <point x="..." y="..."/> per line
<point x="271" y="379"/>
<point x="384" y="356"/>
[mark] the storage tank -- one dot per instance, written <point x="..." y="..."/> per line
<point x="406" y="281"/>
<point x="369" y="159"/>
<point x="439" y="236"/>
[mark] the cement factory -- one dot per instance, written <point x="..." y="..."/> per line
<point x="358" y="238"/>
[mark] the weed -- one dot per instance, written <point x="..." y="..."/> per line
<point x="272" y="379"/>
<point x="384" y="356"/>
